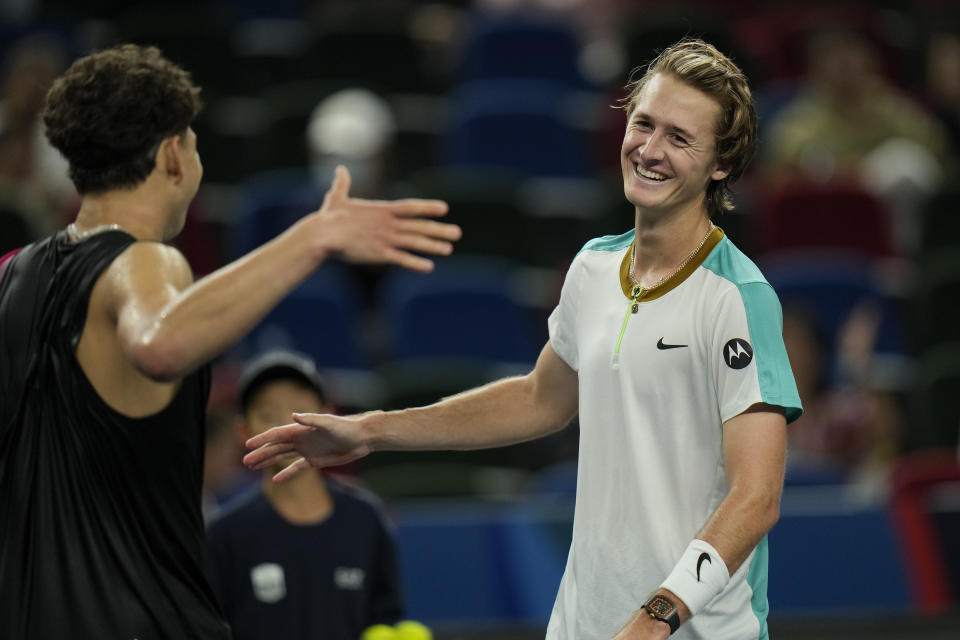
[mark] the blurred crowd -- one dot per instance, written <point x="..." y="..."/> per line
<point x="503" y="108"/>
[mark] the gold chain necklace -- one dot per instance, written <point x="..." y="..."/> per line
<point x="633" y="249"/>
<point x="637" y="290"/>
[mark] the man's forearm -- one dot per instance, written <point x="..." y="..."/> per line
<point x="740" y="522"/>
<point x="497" y="414"/>
<point x="216" y="311"/>
<point x="754" y="452"/>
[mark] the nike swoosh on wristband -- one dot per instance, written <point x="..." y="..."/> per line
<point x="703" y="556"/>
<point x="661" y="345"/>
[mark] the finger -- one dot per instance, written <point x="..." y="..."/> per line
<point x="274" y="433"/>
<point x="340" y="188"/>
<point x="268" y="457"/>
<point x="314" y="420"/>
<point x="267" y="454"/>
<point x="287" y="433"/>
<point x="421" y="244"/>
<point x="408" y="260"/>
<point x="271" y="459"/>
<point x="431" y="228"/>
<point x="408" y="206"/>
<point x="286" y="458"/>
<point x="291" y="470"/>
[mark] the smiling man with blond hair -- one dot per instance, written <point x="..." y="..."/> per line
<point x="668" y="342"/>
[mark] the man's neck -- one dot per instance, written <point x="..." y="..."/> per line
<point x="133" y="210"/>
<point x="664" y="242"/>
<point x="303" y="499"/>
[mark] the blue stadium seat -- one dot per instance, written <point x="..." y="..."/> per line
<point x="321" y="317"/>
<point x="465" y="309"/>
<point x="268" y="203"/>
<point x="827" y="286"/>
<point x="517" y="46"/>
<point x="518" y="123"/>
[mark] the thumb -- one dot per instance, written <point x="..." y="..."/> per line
<point x="315" y="420"/>
<point x="340" y="188"/>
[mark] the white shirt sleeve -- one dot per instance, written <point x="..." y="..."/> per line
<point x="734" y="361"/>
<point x="562" y="321"/>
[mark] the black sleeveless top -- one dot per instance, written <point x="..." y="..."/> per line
<point x="101" y="533"/>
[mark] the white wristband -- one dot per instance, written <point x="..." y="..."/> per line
<point x="700" y="575"/>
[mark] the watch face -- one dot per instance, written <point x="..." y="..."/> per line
<point x="660" y="606"/>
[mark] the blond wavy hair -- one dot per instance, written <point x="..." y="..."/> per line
<point x="700" y="65"/>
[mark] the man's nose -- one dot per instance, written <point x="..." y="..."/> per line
<point x="652" y="149"/>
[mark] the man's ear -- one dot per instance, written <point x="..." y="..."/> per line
<point x="168" y="158"/>
<point x="720" y="173"/>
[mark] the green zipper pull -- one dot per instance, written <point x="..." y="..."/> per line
<point x="633" y="307"/>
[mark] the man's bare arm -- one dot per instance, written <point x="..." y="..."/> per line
<point x="500" y="413"/>
<point x="168" y="326"/>
<point x="754" y="451"/>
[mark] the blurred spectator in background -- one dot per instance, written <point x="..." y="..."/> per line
<point x="33" y="175"/>
<point x="851" y="427"/>
<point x="848" y="122"/>
<point x="356" y="128"/>
<point x="351" y="127"/>
<point x="305" y="558"/>
<point x="224" y="477"/>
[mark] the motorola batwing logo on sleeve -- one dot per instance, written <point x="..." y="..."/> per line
<point x="737" y="353"/>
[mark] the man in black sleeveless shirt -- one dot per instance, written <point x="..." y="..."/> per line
<point x="104" y="340"/>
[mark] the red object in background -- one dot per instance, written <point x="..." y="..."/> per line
<point x="915" y="477"/>
<point x="833" y="215"/>
<point x="7" y="258"/>
<point x="779" y="36"/>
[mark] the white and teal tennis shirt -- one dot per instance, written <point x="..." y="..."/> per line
<point x="656" y="387"/>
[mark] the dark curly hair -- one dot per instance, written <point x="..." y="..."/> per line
<point x="703" y="67"/>
<point x="110" y="110"/>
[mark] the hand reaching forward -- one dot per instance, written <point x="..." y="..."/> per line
<point x="358" y="230"/>
<point x="314" y="440"/>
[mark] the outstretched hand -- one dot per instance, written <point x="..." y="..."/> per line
<point x="384" y="231"/>
<point x="314" y="440"/>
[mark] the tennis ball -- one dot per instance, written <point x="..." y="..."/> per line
<point x="379" y="632"/>
<point x="412" y="630"/>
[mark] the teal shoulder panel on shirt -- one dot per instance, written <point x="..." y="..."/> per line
<point x="728" y="262"/>
<point x="765" y="323"/>
<point x="609" y="243"/>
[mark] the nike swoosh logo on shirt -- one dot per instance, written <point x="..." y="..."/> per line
<point x="661" y="345"/>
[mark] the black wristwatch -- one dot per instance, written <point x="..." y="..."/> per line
<point x="662" y="608"/>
